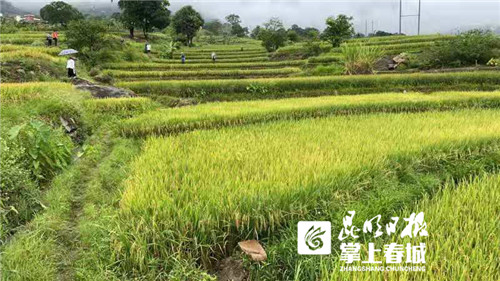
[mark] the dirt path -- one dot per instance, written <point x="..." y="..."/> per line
<point x="70" y="235"/>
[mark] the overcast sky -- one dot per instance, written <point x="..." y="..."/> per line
<point x="437" y="16"/>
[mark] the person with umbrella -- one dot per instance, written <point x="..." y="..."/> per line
<point x="70" y="64"/>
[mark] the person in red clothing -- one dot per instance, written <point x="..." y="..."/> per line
<point x="55" y="37"/>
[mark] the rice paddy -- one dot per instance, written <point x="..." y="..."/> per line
<point x="216" y="115"/>
<point x="232" y="89"/>
<point x="191" y="194"/>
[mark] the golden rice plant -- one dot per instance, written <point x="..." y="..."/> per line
<point x="196" y="193"/>
<point x="216" y="115"/>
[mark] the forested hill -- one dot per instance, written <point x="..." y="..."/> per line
<point x="7" y="8"/>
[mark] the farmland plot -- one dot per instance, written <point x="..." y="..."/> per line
<point x="196" y="197"/>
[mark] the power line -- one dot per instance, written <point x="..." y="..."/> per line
<point x="401" y="16"/>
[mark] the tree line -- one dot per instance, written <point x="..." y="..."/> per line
<point x="187" y="22"/>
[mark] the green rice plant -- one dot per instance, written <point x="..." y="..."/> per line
<point x="54" y="51"/>
<point x="118" y="106"/>
<point x="400" y="39"/>
<point x="217" y="115"/>
<point x="33" y="54"/>
<point x="211" y="189"/>
<point x="21" y="92"/>
<point x="202" y="73"/>
<point x="162" y="66"/>
<point x="393" y="48"/>
<point x="328" y="58"/>
<point x="224" y="52"/>
<point x="231" y="56"/>
<point x="22" y="40"/>
<point x="462" y="241"/>
<point x="327" y="85"/>
<point x="359" y="59"/>
<point x="221" y="47"/>
<point x="209" y="60"/>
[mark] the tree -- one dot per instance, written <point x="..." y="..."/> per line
<point x="255" y="32"/>
<point x="383" y="33"/>
<point x="60" y="12"/>
<point x="187" y="21"/>
<point x="273" y="35"/>
<point x="213" y="26"/>
<point x="338" y="29"/>
<point x="292" y="35"/>
<point x="233" y="19"/>
<point x="89" y="37"/>
<point x="236" y="28"/>
<point x="311" y="33"/>
<point x="145" y="15"/>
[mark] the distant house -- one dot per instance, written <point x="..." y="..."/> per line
<point x="30" y="18"/>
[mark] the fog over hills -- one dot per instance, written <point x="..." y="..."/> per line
<point x="7" y="8"/>
<point x="444" y="16"/>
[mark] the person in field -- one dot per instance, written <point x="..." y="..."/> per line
<point x="70" y="65"/>
<point x="183" y="58"/>
<point x="55" y="37"/>
<point x="49" y="39"/>
<point x="214" y="56"/>
<point x="147" y="48"/>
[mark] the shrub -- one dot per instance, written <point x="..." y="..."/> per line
<point x="92" y="40"/>
<point x="18" y="192"/>
<point x="493" y="62"/>
<point x="104" y="78"/>
<point x="469" y="48"/>
<point x="131" y="54"/>
<point x="359" y="59"/>
<point x="94" y="71"/>
<point x="48" y="150"/>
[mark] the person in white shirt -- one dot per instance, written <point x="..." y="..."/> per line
<point x="214" y="56"/>
<point x="147" y="48"/>
<point x="70" y="65"/>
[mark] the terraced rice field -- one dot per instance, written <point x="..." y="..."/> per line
<point x="160" y="193"/>
<point x="212" y="188"/>
<point x="216" y="115"/>
<point x="245" y="89"/>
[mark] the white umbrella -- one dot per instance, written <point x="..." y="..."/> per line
<point x="68" y="52"/>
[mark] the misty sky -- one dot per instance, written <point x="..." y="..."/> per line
<point x="437" y="16"/>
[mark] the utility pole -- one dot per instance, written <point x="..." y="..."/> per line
<point x="372" y="26"/>
<point x="366" y="28"/>
<point x="400" y="14"/>
<point x="419" y="6"/>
